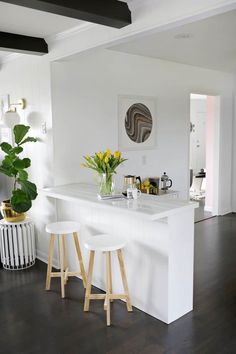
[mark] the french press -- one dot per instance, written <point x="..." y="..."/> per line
<point x="165" y="179"/>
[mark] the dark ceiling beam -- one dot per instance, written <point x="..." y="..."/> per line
<point x="22" y="44"/>
<point x="111" y="13"/>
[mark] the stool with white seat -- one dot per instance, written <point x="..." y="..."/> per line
<point x="106" y="244"/>
<point x="61" y="229"/>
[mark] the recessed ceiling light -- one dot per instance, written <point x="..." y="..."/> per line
<point x="183" y="36"/>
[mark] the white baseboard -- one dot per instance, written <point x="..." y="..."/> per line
<point x="44" y="258"/>
<point x="221" y="212"/>
<point x="225" y="211"/>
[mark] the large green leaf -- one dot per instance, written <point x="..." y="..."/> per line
<point x="23" y="175"/>
<point x="16" y="150"/>
<point x="20" y="132"/>
<point x="7" y="166"/>
<point x="6" y="147"/>
<point x="21" y="164"/>
<point x="29" y="139"/>
<point x="6" y="171"/>
<point x="7" y="161"/>
<point x="20" y="201"/>
<point x="29" y="188"/>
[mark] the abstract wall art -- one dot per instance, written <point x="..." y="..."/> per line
<point x="137" y="122"/>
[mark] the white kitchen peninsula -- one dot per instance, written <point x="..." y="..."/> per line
<point x="159" y="253"/>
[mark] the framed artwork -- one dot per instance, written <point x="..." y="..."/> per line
<point x="4" y="104"/>
<point x="137" y="122"/>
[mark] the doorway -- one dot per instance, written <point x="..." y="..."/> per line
<point x="204" y="156"/>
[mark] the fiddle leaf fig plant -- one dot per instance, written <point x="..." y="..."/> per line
<point x="15" y="167"/>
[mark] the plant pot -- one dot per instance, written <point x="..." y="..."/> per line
<point x="9" y="214"/>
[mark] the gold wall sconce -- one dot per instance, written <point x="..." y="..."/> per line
<point x="11" y="117"/>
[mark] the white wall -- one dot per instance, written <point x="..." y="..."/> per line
<point x="84" y="102"/>
<point x="29" y="77"/>
<point x="84" y="94"/>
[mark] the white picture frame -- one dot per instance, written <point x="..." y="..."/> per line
<point x="125" y="102"/>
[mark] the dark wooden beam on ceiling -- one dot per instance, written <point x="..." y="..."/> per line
<point x="111" y="13"/>
<point x="22" y="44"/>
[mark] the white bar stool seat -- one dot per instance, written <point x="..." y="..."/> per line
<point x="106" y="243"/>
<point x="61" y="229"/>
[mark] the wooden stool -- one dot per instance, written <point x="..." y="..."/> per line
<point x="61" y="229"/>
<point x="106" y="244"/>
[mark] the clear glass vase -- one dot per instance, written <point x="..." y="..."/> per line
<point x="106" y="186"/>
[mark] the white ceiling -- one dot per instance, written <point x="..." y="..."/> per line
<point x="4" y="54"/>
<point x="21" y="20"/>
<point x="29" y="22"/>
<point x="209" y="43"/>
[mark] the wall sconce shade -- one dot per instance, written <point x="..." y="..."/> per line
<point x="10" y="119"/>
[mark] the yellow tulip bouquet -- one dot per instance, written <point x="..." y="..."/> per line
<point x="105" y="164"/>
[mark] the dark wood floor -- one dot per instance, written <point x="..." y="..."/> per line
<point x="35" y="322"/>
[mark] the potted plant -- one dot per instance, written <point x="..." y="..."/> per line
<point x="105" y="164"/>
<point x="23" y="191"/>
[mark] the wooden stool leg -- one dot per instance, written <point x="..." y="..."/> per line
<point x="105" y="303"/>
<point x="124" y="280"/>
<point x="66" y="266"/>
<point x="62" y="267"/>
<point x="64" y="252"/>
<point x="108" y="287"/>
<point x="110" y="274"/>
<point x="50" y="256"/>
<point x="77" y="246"/>
<point x="89" y="281"/>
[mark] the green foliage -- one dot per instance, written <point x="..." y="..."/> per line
<point x="24" y="191"/>
<point x="21" y="164"/>
<point x="104" y="162"/>
<point x="17" y="150"/>
<point x="28" y="140"/>
<point x="20" y="132"/>
<point x="28" y="188"/>
<point x="20" y="202"/>
<point x="6" y="147"/>
<point x="23" y="175"/>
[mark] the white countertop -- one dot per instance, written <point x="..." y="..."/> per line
<point x="147" y="206"/>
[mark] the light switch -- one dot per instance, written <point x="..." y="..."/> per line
<point x="144" y="160"/>
<point x="44" y="128"/>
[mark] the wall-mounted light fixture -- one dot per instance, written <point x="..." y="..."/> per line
<point x="11" y="117"/>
